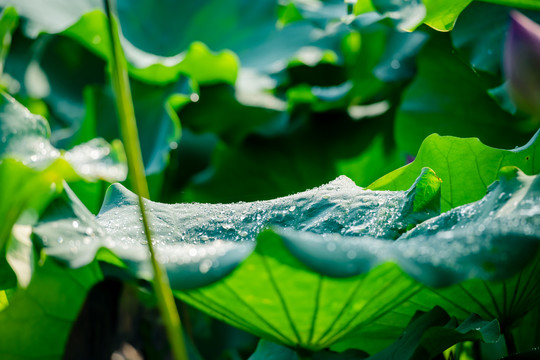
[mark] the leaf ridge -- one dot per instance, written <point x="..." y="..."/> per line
<point x="474" y="299"/>
<point x="316" y="310"/>
<point x="281" y="299"/>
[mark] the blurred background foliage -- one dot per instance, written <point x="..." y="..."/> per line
<point x="245" y="100"/>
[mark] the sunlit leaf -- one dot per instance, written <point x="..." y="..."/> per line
<point x="466" y="167"/>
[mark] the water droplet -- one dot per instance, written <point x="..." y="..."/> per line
<point x="292" y="208"/>
<point x="75" y="224"/>
<point x="351" y="254"/>
<point x="331" y="246"/>
<point x="205" y="266"/>
<point x="204" y="238"/>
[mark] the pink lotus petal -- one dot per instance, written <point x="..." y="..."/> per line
<point x="522" y="63"/>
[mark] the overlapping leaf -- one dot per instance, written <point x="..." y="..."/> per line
<point x="466" y="167"/>
<point x="25" y="137"/>
<point x="199" y="243"/>
<point x="32" y="171"/>
<point x="379" y="283"/>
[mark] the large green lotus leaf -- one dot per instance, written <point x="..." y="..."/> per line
<point x="481" y="257"/>
<point x="25" y="137"/>
<point x="448" y="98"/>
<point x="466" y="167"/>
<point x="200" y="243"/>
<point x="38" y="319"/>
<point x="275" y="296"/>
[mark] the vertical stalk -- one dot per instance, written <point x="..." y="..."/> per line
<point x="137" y="177"/>
<point x="509" y="340"/>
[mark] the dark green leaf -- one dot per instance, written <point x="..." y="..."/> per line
<point x="448" y="98"/>
<point x="525" y="4"/>
<point x="155" y="110"/>
<point x="429" y="334"/>
<point x="267" y="350"/>
<point x="37" y="322"/>
<point x="309" y="157"/>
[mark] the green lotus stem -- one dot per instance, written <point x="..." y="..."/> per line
<point x="137" y="177"/>
<point x="510" y="343"/>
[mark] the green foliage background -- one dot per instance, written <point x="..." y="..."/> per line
<point x="248" y="101"/>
